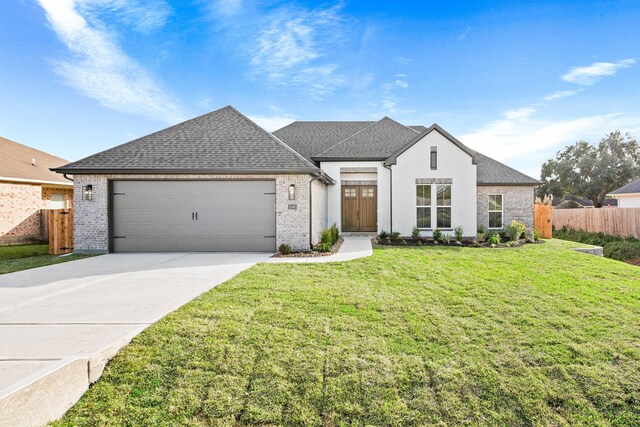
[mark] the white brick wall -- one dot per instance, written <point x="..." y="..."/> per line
<point x="91" y="224"/>
<point x="517" y="201"/>
<point x="319" y="209"/>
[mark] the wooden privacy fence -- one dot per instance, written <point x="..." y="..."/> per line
<point x="613" y="221"/>
<point x="542" y="220"/>
<point x="60" y="231"/>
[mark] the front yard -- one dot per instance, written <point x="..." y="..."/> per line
<point x="536" y="335"/>
<point x="22" y="257"/>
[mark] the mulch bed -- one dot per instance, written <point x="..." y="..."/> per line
<point x="404" y="242"/>
<point x="313" y="253"/>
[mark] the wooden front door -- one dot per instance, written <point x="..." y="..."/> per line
<point x="359" y="208"/>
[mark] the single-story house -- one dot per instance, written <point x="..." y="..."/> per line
<point x="27" y="185"/>
<point x="219" y="182"/>
<point x="628" y="196"/>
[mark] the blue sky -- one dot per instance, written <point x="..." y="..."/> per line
<point x="517" y="80"/>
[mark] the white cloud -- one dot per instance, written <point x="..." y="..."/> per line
<point x="561" y="94"/>
<point x="402" y="75"/>
<point x="274" y="122"/>
<point x="101" y="70"/>
<point x="465" y="33"/>
<point x="520" y="113"/>
<point x="143" y="15"/>
<point x="402" y="84"/>
<point x="590" y="74"/>
<point x="228" y="7"/>
<point x="289" y="50"/>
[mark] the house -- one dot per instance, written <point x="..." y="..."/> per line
<point x="628" y="196"/>
<point x="219" y="182"/>
<point x="27" y="186"/>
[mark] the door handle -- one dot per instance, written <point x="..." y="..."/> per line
<point x="193" y="216"/>
<point x="196" y="216"/>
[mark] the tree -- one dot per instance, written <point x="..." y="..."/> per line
<point x="591" y="171"/>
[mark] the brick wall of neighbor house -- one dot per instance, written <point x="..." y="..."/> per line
<point x="19" y="212"/>
<point x="91" y="222"/>
<point x="518" y="204"/>
<point x="319" y="209"/>
<point x="46" y="196"/>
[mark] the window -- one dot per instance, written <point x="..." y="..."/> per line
<point x="443" y="209"/>
<point x="495" y="211"/>
<point x="57" y="201"/>
<point x="350" y="192"/>
<point x="434" y="158"/>
<point x="367" y="192"/>
<point x="423" y="205"/>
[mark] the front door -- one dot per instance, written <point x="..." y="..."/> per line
<point x="359" y="208"/>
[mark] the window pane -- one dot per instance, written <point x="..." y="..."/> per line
<point x="495" y="202"/>
<point x="444" y="217"/>
<point x="350" y="192"/>
<point x="495" y="219"/>
<point x="423" y="195"/>
<point x="367" y="192"/>
<point x="434" y="160"/>
<point x="424" y="218"/>
<point x="444" y="195"/>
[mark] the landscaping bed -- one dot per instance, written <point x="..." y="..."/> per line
<point x="540" y="336"/>
<point x="625" y="249"/>
<point x="330" y="242"/>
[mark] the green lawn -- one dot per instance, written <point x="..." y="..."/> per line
<point x="21" y="257"/>
<point x="537" y="335"/>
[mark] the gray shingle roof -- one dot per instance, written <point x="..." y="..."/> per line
<point x="632" y="187"/>
<point x="379" y="140"/>
<point x="221" y="141"/>
<point x="492" y="172"/>
<point x="311" y="138"/>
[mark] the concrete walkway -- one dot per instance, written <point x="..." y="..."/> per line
<point x="60" y="324"/>
<point x="354" y="246"/>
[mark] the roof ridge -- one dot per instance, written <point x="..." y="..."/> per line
<point x="274" y="138"/>
<point x="32" y="148"/>
<point x="397" y="122"/>
<point x="347" y="138"/>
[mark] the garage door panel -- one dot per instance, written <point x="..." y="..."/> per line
<point x="158" y="216"/>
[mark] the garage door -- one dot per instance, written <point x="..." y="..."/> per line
<point x="164" y="216"/>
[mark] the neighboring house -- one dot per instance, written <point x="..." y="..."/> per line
<point x="26" y="186"/>
<point x="628" y="196"/>
<point x="219" y="182"/>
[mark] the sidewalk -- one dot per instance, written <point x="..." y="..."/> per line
<point x="354" y="246"/>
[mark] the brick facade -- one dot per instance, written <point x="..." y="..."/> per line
<point x="517" y="204"/>
<point x="91" y="219"/>
<point x="319" y="209"/>
<point x="20" y="206"/>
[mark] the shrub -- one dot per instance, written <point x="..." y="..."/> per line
<point x="395" y="236"/>
<point x="536" y="235"/>
<point x="459" y="233"/>
<point x="325" y="247"/>
<point x="437" y="235"/>
<point x="482" y="229"/>
<point x="284" y="249"/>
<point x="415" y="233"/>
<point x="403" y="242"/>
<point x="325" y="236"/>
<point x="516" y="229"/>
<point x="334" y="233"/>
<point x="447" y="238"/>
<point x="384" y="235"/>
<point x="614" y="247"/>
<point x="494" y="239"/>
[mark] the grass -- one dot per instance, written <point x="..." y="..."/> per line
<point x="614" y="247"/>
<point x="536" y="335"/>
<point x="22" y="257"/>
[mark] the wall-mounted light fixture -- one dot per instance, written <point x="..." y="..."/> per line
<point x="292" y="192"/>
<point x="87" y="192"/>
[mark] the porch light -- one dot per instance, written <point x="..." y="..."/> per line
<point x="292" y="192"/>
<point x="87" y="192"/>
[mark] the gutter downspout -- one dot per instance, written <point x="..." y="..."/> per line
<point x="390" y="196"/>
<point x="66" y="177"/>
<point x="311" y="210"/>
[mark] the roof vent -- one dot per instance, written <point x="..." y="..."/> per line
<point x="33" y="162"/>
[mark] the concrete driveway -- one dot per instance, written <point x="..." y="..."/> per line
<point x="60" y="324"/>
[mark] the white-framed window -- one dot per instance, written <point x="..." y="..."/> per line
<point x="57" y="201"/>
<point x="443" y="205"/>
<point x="496" y="211"/>
<point x="433" y="160"/>
<point x="423" y="206"/>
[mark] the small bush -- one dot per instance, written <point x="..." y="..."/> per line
<point x="395" y="236"/>
<point x="284" y="249"/>
<point x="482" y="229"/>
<point x="447" y="238"/>
<point x="536" y="235"/>
<point x="516" y="229"/>
<point x="325" y="247"/>
<point x="415" y="233"/>
<point x="614" y="247"/>
<point x="403" y="242"/>
<point x="334" y="233"/>
<point x="459" y="233"/>
<point x="384" y="235"/>
<point x="494" y="239"/>
<point x="437" y="235"/>
<point x="326" y="236"/>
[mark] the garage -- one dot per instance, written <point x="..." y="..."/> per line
<point x="193" y="216"/>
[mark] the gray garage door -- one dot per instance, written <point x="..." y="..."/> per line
<point x="162" y="216"/>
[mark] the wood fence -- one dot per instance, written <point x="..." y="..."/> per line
<point x="542" y="221"/>
<point x="60" y="231"/>
<point x="613" y="221"/>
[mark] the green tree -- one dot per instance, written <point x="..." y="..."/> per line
<point x="590" y="171"/>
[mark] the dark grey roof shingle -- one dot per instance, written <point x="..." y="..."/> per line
<point x="223" y="140"/>
<point x="632" y="187"/>
<point x="311" y="138"/>
<point x="491" y="171"/>
<point x="379" y="140"/>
